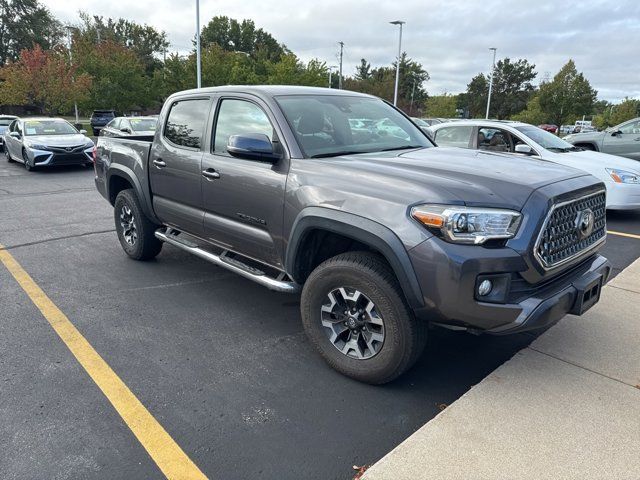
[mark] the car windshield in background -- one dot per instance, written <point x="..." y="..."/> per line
<point x="143" y="124"/>
<point x="545" y="139"/>
<point x="332" y="125"/>
<point x="5" y="122"/>
<point x="48" y="127"/>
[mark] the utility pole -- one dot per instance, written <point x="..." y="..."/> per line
<point x="75" y="103"/>
<point x="395" y="90"/>
<point x="493" y="71"/>
<point x="340" y="73"/>
<point x="98" y="34"/>
<point x="198" y="66"/>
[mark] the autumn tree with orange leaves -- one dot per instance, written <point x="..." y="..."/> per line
<point x="44" y="79"/>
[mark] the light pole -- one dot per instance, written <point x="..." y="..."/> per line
<point x="493" y="71"/>
<point x="75" y="103"/>
<point x="198" y="67"/>
<point x="340" y="72"/>
<point x="331" y="67"/>
<point x="395" y="90"/>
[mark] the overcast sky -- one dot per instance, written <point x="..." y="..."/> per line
<point x="450" y="38"/>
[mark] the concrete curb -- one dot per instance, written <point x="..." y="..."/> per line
<point x="567" y="406"/>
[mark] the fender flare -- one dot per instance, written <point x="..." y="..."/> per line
<point x="122" y="171"/>
<point x="366" y="231"/>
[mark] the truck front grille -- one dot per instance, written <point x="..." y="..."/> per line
<point x="568" y="232"/>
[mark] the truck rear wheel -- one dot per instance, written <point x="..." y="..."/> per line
<point x="135" y="230"/>
<point x="355" y="314"/>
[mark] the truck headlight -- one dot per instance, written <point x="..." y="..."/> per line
<point x="471" y="225"/>
<point x="622" y="176"/>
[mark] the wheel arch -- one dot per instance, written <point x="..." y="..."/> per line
<point x="361" y="231"/>
<point x="120" y="177"/>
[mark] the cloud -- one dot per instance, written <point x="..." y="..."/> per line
<point x="451" y="39"/>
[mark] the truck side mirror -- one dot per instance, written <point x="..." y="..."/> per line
<point x="252" y="146"/>
<point x="616" y="133"/>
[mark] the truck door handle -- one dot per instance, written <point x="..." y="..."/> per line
<point x="159" y="163"/>
<point x="210" y="174"/>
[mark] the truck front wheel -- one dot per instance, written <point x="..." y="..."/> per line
<point x="355" y="314"/>
<point x="135" y="230"/>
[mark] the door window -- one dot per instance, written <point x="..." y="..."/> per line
<point x="633" y="128"/>
<point x="236" y="117"/>
<point x="493" y="140"/>
<point x="457" y="136"/>
<point x="186" y="122"/>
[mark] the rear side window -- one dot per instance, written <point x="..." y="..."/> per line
<point x="457" y="136"/>
<point x="237" y="117"/>
<point x="186" y="122"/>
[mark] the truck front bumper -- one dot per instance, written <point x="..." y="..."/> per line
<point x="449" y="276"/>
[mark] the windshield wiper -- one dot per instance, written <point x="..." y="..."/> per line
<point x="404" y="147"/>
<point x="559" y="149"/>
<point x="337" y="154"/>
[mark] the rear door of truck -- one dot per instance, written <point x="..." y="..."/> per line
<point x="175" y="163"/>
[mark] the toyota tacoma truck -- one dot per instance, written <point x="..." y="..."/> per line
<point x="341" y="197"/>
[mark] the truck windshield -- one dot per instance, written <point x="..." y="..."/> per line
<point x="332" y="125"/>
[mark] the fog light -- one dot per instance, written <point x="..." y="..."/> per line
<point x="485" y="288"/>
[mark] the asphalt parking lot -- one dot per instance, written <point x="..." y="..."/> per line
<point x="220" y="362"/>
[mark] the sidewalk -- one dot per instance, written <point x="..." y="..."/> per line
<point x="566" y="407"/>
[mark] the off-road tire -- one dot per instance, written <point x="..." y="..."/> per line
<point x="146" y="245"/>
<point x="405" y="336"/>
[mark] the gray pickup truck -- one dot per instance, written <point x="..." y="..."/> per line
<point x="340" y="196"/>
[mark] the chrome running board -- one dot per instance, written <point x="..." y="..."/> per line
<point x="278" y="284"/>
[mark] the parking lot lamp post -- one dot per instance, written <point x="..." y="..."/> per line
<point x="493" y="71"/>
<point x="331" y="67"/>
<point x="75" y="103"/>
<point x="340" y="68"/>
<point x="395" y="90"/>
<point x="198" y="67"/>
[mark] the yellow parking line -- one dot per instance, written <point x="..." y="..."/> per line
<point x="623" y="234"/>
<point x="164" y="451"/>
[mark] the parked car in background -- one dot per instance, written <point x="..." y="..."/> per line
<point x="5" y="121"/>
<point x="124" y="126"/>
<point x="424" y="126"/>
<point x="381" y="232"/>
<point x="623" y="140"/>
<point x="620" y="175"/>
<point x="45" y="142"/>
<point x="548" y="127"/>
<point x="99" y="118"/>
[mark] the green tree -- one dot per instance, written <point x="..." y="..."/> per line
<point x="443" y="106"/>
<point x="533" y="114"/>
<point x="568" y="96"/>
<point x="231" y="35"/>
<point x="24" y="24"/>
<point x="512" y="89"/>
<point x="145" y="41"/>
<point x="363" y="71"/>
<point x="119" y="79"/>
<point x="381" y="83"/>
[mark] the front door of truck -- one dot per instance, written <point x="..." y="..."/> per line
<point x="244" y="199"/>
<point x="175" y="164"/>
<point x="625" y="141"/>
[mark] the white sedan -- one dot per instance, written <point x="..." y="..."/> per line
<point x="620" y="175"/>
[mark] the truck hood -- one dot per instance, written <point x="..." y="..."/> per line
<point x="455" y="175"/>
<point x="58" y="140"/>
